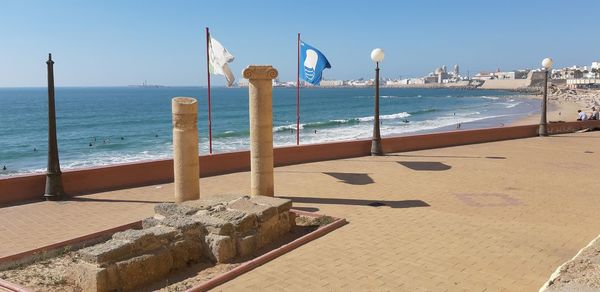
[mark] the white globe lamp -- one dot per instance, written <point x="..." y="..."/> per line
<point x="377" y="55"/>
<point x="547" y="63"/>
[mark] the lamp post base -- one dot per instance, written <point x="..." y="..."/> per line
<point x="54" y="188"/>
<point x="376" y="147"/>
<point x="542" y="132"/>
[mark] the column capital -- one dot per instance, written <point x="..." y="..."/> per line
<point x="260" y="72"/>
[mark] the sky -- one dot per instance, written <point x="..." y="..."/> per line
<point x="119" y="43"/>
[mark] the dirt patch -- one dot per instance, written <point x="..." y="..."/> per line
<point x="52" y="274"/>
<point x="581" y="273"/>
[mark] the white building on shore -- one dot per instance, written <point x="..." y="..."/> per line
<point x="332" y="83"/>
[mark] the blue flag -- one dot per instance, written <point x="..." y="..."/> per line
<point x="312" y="64"/>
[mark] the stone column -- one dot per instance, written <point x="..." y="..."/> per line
<point x="260" y="88"/>
<point x="185" y="149"/>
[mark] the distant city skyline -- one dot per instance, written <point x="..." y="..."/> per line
<point x="119" y="43"/>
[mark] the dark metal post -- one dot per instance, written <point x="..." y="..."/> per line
<point x="54" y="188"/>
<point x="542" y="131"/>
<point x="376" y="142"/>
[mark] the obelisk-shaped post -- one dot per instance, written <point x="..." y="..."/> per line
<point x="185" y="149"/>
<point x="54" y="187"/>
<point x="260" y="87"/>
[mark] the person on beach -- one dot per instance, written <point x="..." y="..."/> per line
<point x="594" y="114"/>
<point x="581" y="116"/>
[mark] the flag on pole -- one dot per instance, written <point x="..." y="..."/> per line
<point x="219" y="57"/>
<point x="313" y="62"/>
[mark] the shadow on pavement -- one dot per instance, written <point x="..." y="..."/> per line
<point x="425" y="165"/>
<point x="352" y="178"/>
<point x="445" y="156"/>
<point x="81" y="199"/>
<point x="306" y="209"/>
<point x="359" y="202"/>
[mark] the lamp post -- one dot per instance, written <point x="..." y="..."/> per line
<point x="377" y="56"/>
<point x="542" y="131"/>
<point x="54" y="188"/>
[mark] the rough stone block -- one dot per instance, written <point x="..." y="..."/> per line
<point x="90" y="277"/>
<point x="262" y="212"/>
<point x="292" y="218"/>
<point x="282" y="205"/>
<point x="214" y="225"/>
<point x="110" y="251"/>
<point x="186" y="224"/>
<point x="144" y="269"/>
<point x="273" y="229"/>
<point x="170" y="209"/>
<point x="148" y="239"/>
<point x="210" y="202"/>
<point x="220" y="248"/>
<point x="186" y="252"/>
<point x="246" y="245"/>
<point x="242" y="222"/>
<point x="150" y="222"/>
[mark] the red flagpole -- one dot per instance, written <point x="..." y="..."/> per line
<point x="298" y="96"/>
<point x="208" y="75"/>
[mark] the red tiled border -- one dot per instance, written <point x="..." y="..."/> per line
<point x="267" y="257"/>
<point x="23" y="256"/>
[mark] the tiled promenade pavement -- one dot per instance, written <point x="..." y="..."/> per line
<point x="486" y="217"/>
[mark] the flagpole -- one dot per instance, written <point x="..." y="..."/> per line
<point x="208" y="75"/>
<point x="298" y="96"/>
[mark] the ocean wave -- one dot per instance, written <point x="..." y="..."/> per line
<point x="227" y="134"/>
<point x="386" y="117"/>
<point x="330" y="123"/>
<point x="423" y="111"/>
<point x="511" y="105"/>
<point x="490" y="97"/>
<point x="338" y="122"/>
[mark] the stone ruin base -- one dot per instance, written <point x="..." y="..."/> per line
<point x="217" y="229"/>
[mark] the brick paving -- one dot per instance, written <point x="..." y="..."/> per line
<point x="488" y="217"/>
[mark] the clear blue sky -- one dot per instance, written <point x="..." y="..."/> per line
<point x="104" y="43"/>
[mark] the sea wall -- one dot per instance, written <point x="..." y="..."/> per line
<point x="507" y="84"/>
<point x="97" y="179"/>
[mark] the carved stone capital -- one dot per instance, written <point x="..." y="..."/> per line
<point x="260" y="72"/>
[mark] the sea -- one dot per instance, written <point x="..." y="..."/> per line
<point x="110" y="125"/>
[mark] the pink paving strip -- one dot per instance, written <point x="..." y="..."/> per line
<point x="259" y="261"/>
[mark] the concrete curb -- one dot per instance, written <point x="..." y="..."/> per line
<point x="557" y="271"/>
<point x="5" y="285"/>
<point x="267" y="257"/>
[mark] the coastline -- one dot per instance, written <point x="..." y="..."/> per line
<point x="523" y="109"/>
<point x="563" y="105"/>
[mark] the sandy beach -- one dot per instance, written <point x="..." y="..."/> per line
<point x="563" y="104"/>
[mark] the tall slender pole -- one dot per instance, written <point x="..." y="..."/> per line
<point x="298" y="96"/>
<point x="54" y="187"/>
<point x="376" y="142"/>
<point x="208" y="76"/>
<point x="542" y="131"/>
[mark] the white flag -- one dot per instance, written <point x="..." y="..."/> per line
<point x="219" y="57"/>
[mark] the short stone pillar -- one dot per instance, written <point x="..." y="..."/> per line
<point x="185" y="149"/>
<point x="260" y="88"/>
